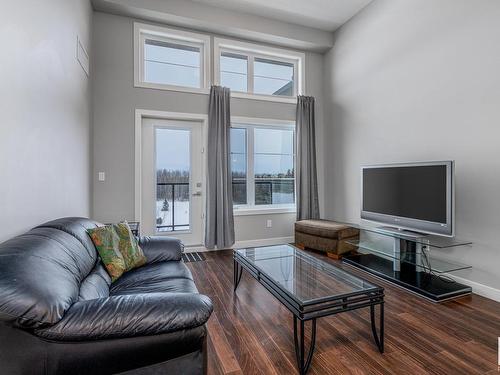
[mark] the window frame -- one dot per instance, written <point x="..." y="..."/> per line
<point x="252" y="51"/>
<point x="163" y="34"/>
<point x="250" y="124"/>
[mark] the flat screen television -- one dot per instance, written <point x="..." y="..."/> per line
<point x="414" y="196"/>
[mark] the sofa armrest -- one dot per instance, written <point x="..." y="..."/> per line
<point x="130" y="315"/>
<point x="161" y="249"/>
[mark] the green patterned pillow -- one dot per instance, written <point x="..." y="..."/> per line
<point x="130" y="250"/>
<point x="106" y="241"/>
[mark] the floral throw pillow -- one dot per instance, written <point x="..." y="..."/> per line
<point x="132" y="254"/>
<point x="106" y="241"/>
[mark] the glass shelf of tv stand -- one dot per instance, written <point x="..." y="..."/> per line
<point x="426" y="262"/>
<point x="427" y="240"/>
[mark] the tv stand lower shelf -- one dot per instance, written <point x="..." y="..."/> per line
<point x="429" y="285"/>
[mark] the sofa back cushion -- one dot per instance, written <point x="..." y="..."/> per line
<point x="41" y="272"/>
<point x="77" y="227"/>
<point x="96" y="284"/>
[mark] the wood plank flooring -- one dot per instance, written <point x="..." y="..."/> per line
<point x="250" y="332"/>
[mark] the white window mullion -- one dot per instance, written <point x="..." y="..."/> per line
<point x="250" y="73"/>
<point x="296" y="80"/>
<point x="250" y="167"/>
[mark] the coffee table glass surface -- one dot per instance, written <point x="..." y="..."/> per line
<point x="303" y="277"/>
<point x="310" y="288"/>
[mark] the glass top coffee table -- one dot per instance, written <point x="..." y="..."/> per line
<point x="310" y="288"/>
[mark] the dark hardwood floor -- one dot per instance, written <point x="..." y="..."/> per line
<point x="251" y="333"/>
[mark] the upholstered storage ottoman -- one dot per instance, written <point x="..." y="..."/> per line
<point x="325" y="235"/>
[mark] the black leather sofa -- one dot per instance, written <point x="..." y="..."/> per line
<point x="60" y="313"/>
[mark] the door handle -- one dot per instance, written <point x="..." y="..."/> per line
<point x="197" y="193"/>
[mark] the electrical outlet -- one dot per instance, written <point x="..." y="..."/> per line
<point x="269" y="224"/>
<point x="101" y="176"/>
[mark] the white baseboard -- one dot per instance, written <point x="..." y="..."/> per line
<point x="479" y="289"/>
<point x="247" y="243"/>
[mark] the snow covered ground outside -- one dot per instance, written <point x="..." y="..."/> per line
<point x="282" y="198"/>
<point x="181" y="214"/>
<point x="182" y="211"/>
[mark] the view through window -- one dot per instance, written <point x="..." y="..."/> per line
<point x="262" y="162"/>
<point x="239" y="165"/>
<point x="234" y="71"/>
<point x="273" y="77"/>
<point x="249" y="68"/>
<point x="172" y="64"/>
<point x="251" y="74"/>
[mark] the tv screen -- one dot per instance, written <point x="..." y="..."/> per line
<point x="415" y="196"/>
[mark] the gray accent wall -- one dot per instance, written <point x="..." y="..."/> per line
<point x="206" y="17"/>
<point x="45" y="108"/>
<point x="115" y="99"/>
<point x="415" y="81"/>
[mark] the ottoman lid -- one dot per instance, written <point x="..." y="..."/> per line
<point x="326" y="228"/>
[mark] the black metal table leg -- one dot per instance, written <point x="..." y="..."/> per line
<point x="303" y="363"/>
<point x="379" y="340"/>
<point x="237" y="272"/>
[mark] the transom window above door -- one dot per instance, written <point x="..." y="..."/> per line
<point x="171" y="59"/>
<point x="255" y="71"/>
<point x="262" y="165"/>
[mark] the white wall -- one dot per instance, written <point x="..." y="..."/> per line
<point x="419" y="80"/>
<point x="115" y="100"/>
<point x="45" y="109"/>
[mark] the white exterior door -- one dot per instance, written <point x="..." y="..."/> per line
<point x="172" y="183"/>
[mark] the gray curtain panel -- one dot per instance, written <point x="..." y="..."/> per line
<point x="307" y="181"/>
<point x="219" y="225"/>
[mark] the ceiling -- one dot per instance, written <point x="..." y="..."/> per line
<point x="325" y="15"/>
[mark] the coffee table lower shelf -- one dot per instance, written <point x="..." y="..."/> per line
<point x="303" y="312"/>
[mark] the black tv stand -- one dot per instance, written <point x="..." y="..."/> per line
<point x="407" y="259"/>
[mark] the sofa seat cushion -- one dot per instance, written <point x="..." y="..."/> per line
<point x="170" y="285"/>
<point x="130" y="316"/>
<point x="155" y="278"/>
<point x="326" y="229"/>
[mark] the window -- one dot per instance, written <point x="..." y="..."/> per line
<point x="258" y="71"/>
<point x="262" y="165"/>
<point x="171" y="64"/>
<point x="273" y="77"/>
<point x="171" y="59"/>
<point x="234" y="71"/>
<point x="239" y="165"/>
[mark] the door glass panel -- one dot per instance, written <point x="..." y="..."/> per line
<point x="173" y="170"/>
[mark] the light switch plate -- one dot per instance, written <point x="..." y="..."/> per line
<point x="102" y="176"/>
